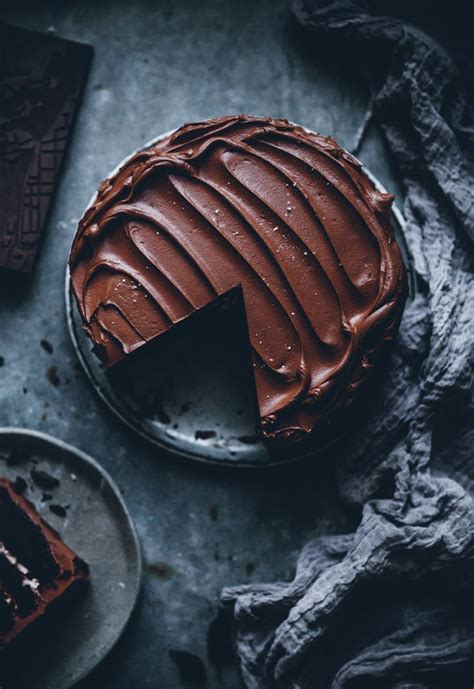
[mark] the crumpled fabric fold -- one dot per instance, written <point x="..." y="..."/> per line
<point x="392" y="605"/>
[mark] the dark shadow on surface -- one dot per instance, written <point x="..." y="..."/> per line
<point x="37" y="643"/>
<point x="14" y="287"/>
<point x="110" y="667"/>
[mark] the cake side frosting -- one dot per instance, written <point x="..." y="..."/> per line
<point x="287" y="215"/>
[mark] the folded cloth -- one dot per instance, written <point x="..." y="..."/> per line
<point x="392" y="606"/>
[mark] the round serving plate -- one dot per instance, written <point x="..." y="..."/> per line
<point x="97" y="526"/>
<point x="206" y="411"/>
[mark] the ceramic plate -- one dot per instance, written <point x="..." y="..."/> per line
<point x="98" y="527"/>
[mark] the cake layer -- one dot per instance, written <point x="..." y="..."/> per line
<point x="287" y="215"/>
<point x="36" y="568"/>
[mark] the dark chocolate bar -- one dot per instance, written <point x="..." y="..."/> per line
<point x="41" y="82"/>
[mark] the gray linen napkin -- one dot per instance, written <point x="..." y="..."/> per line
<point x="392" y="605"/>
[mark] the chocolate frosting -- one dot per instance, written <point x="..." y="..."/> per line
<point x="287" y="215"/>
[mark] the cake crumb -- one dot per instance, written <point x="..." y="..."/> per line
<point x="59" y="510"/>
<point x="47" y="346"/>
<point x="204" y="435"/>
<point x="52" y="376"/>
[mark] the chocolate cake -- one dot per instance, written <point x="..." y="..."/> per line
<point x="37" y="570"/>
<point x="284" y="215"/>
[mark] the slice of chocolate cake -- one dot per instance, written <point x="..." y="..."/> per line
<point x="37" y="569"/>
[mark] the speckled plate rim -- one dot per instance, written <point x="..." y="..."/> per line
<point x="134" y="423"/>
<point x="45" y="439"/>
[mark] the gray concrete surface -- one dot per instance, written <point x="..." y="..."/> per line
<point x="158" y="64"/>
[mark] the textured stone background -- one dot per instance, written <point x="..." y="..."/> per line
<point x="157" y="65"/>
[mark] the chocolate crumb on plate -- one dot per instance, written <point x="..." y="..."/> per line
<point x="59" y="510"/>
<point x="204" y="435"/>
<point x="43" y="479"/>
<point x="19" y="485"/>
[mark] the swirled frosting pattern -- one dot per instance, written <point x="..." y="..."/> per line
<point x="287" y="215"/>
